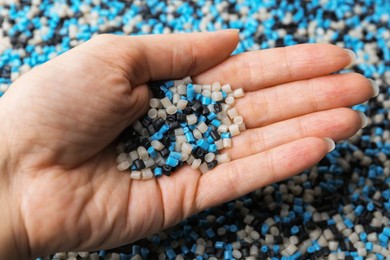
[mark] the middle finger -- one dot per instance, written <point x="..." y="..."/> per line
<point x="270" y="105"/>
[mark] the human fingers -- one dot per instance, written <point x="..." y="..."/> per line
<point x="265" y="68"/>
<point x="338" y="124"/>
<point x="267" y="106"/>
<point x="238" y="177"/>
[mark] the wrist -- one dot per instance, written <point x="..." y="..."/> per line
<point x="13" y="239"/>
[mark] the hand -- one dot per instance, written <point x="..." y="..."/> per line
<point x="60" y="189"/>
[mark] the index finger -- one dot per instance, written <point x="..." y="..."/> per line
<point x="260" y="69"/>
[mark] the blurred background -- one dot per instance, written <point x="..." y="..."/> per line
<point x="339" y="209"/>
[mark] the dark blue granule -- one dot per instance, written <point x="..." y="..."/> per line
<point x="188" y="109"/>
<point x="199" y="153"/>
<point x="151" y="129"/>
<point x="158" y="122"/>
<point x="131" y="145"/>
<point x="139" y="164"/>
<point x="181" y="117"/>
<point x="174" y="125"/>
<point x="145" y="142"/>
<point x="217" y="108"/>
<point x="165" y="141"/>
<point x="164" y="152"/>
<point x="156" y="91"/>
<point x="215" y="135"/>
<point x="205" y="110"/>
<point x="171" y="118"/>
<point x="146" y="121"/>
<point x="196" y="106"/>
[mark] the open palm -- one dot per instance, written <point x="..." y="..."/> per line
<point x="59" y="122"/>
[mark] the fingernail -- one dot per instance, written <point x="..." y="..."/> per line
<point x="353" y="56"/>
<point x="374" y="87"/>
<point x="227" y="30"/>
<point x="363" y="119"/>
<point x="331" y="144"/>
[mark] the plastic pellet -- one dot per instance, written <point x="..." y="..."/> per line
<point x="203" y="168"/>
<point x="190" y="137"/>
<point x="157" y="145"/>
<point x="161" y="113"/>
<point x="206" y="87"/>
<point x="166" y="102"/>
<point x="138" y="127"/>
<point x="223" y="158"/>
<point x="121" y="158"/>
<point x="230" y="100"/>
<point x="190" y="159"/>
<point x="254" y="235"/>
<point x="187" y="80"/>
<point x="362" y="251"/>
<point x="197" y="134"/>
<point x="226" y="121"/>
<point x="181" y="139"/>
<point x="134" y="155"/>
<point x="175" y="155"/>
<point x="186" y="148"/>
<point x="290" y="249"/>
<point x="147" y="174"/>
<point x="136" y="175"/>
<point x="184" y="157"/>
<point x="242" y="127"/>
<point x="322" y="241"/>
<point x="142" y="153"/>
<point x="202" y="127"/>
<point x="232" y="113"/>
<point x="238" y="93"/>
<point x="315" y="234"/>
<point x="176" y="98"/>
<point x="136" y="257"/>
<point x="236" y="254"/>
<point x="178" y="131"/>
<point x="191" y="119"/>
<point x="234" y="130"/>
<point x="333" y="245"/>
<point x="216" y="86"/>
<point x="223" y="128"/>
<point x="222" y="115"/>
<point x="238" y="120"/>
<point x="149" y="162"/>
<point x="181" y="104"/>
<point x="197" y="88"/>
<point x="172" y="162"/>
<point x="226" y="88"/>
<point x="152" y="113"/>
<point x="171" y="110"/>
<point x="61" y="255"/>
<point x="211" y="165"/>
<point x="181" y="90"/>
<point x="220" y="144"/>
<point x="155" y="103"/>
<point x="123" y="166"/>
<point x="225" y="107"/>
<point x="216" y="96"/>
<point x="209" y="157"/>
